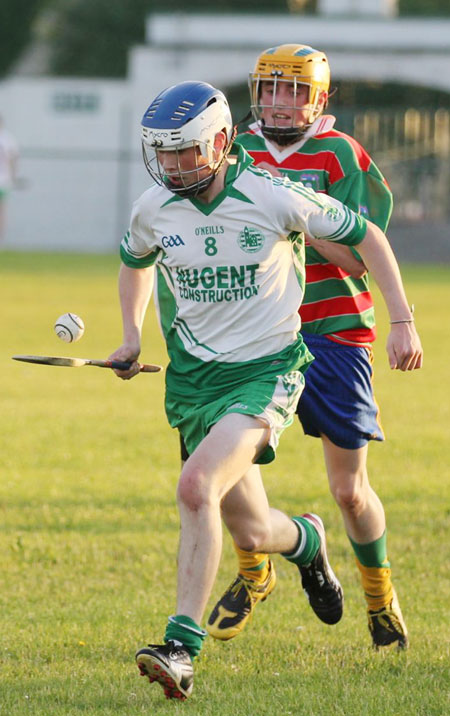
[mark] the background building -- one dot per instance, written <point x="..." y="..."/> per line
<point x="81" y="165"/>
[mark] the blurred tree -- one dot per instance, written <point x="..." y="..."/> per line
<point x="437" y="8"/>
<point x="302" y="6"/>
<point x="16" y="20"/>
<point x="92" y="38"/>
<point x="248" y="6"/>
<point x="375" y="95"/>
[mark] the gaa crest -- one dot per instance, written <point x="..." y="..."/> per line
<point x="251" y="240"/>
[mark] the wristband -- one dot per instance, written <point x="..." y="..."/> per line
<point x="405" y="320"/>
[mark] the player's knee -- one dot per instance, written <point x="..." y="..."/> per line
<point x="350" y="495"/>
<point x="194" y="490"/>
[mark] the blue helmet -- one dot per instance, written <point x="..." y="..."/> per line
<point x="189" y="114"/>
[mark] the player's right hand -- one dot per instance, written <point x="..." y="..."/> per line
<point x="404" y="348"/>
<point x="127" y="352"/>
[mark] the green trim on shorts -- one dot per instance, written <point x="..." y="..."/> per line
<point x="273" y="399"/>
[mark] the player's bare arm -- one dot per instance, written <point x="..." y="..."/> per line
<point x="403" y="345"/>
<point x="339" y="255"/>
<point x="135" y="289"/>
<point x="269" y="168"/>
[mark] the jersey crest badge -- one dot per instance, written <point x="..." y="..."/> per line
<point x="334" y="213"/>
<point x="251" y="240"/>
<point x="310" y="179"/>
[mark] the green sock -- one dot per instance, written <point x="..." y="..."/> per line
<point x="373" y="554"/>
<point x="307" y="545"/>
<point x="184" y="629"/>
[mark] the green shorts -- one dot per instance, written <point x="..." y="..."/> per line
<point x="273" y="400"/>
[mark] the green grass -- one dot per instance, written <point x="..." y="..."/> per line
<point x="89" y="526"/>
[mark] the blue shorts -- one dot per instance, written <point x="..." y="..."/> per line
<point x="338" y="398"/>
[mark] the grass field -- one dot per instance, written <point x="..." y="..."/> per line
<point x="89" y="526"/>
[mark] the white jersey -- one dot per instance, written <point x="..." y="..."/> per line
<point x="231" y="273"/>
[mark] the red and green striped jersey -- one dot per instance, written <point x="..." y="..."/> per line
<point x="335" y="304"/>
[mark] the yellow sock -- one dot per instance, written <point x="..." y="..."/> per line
<point x="253" y="565"/>
<point x="377" y="585"/>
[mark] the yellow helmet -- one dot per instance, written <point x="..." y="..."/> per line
<point x="298" y="65"/>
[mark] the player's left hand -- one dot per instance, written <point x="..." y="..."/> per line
<point x="404" y="348"/>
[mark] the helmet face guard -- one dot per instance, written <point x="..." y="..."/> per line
<point x="278" y="131"/>
<point x="178" y="137"/>
<point x="298" y="66"/>
<point x="179" y="180"/>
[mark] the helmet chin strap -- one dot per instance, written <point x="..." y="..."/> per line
<point x="194" y="189"/>
<point x="203" y="184"/>
<point x="283" y="135"/>
<point x="289" y="135"/>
